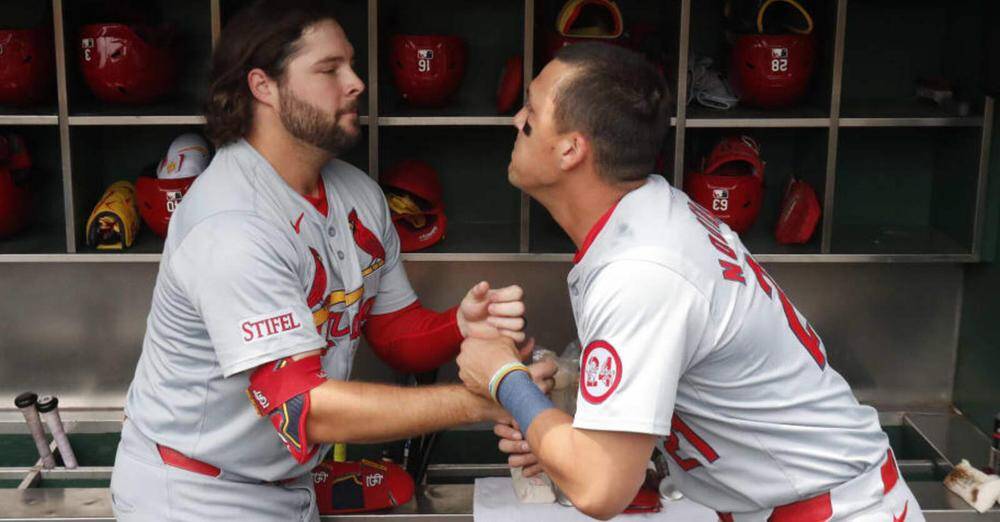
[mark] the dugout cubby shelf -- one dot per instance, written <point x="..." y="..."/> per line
<point x="492" y="32"/>
<point x="906" y="190"/>
<point x="46" y="229"/>
<point x="889" y="46"/>
<point x="855" y="133"/>
<point x="191" y="23"/>
<point x="710" y="37"/>
<point x="785" y="152"/>
<point x="483" y="209"/>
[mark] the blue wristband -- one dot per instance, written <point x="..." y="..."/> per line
<point x="522" y="398"/>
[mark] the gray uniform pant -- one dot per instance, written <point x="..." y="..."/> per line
<point x="143" y="488"/>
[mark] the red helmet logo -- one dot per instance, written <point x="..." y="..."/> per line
<point x="127" y="64"/>
<point x="427" y="69"/>
<point x="26" y="66"/>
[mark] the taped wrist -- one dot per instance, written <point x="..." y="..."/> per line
<point x="280" y="390"/>
<point x="519" y="395"/>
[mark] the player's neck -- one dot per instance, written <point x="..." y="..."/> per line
<point x="578" y="204"/>
<point x="298" y="163"/>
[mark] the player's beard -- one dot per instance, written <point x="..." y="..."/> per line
<point x="311" y="125"/>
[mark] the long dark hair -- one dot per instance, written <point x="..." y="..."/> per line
<point x="264" y="35"/>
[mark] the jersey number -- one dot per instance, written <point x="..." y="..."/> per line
<point x="803" y="332"/>
<point x="672" y="444"/>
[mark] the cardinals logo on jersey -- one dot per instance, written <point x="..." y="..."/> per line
<point x="368" y="242"/>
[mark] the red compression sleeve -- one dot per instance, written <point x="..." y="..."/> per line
<point x="414" y="339"/>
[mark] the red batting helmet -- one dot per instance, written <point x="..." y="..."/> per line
<point x="800" y="213"/>
<point x="26" y="67"/>
<point x="511" y="82"/>
<point x="731" y="184"/>
<point x="586" y="20"/>
<point x="773" y="70"/>
<point x="427" y="68"/>
<point x="416" y="203"/>
<point x="127" y="64"/>
<point x="158" y="197"/>
<point x="17" y="197"/>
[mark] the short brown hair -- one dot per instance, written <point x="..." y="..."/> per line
<point x="263" y="35"/>
<point x="620" y="101"/>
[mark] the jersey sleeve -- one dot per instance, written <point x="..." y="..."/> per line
<point x="640" y="325"/>
<point x="240" y="274"/>
<point x="394" y="292"/>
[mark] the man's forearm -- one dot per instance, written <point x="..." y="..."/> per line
<point x="570" y="457"/>
<point x="361" y="412"/>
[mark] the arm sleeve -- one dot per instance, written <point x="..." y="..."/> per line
<point x="394" y="290"/>
<point x="240" y="274"/>
<point x="414" y="339"/>
<point x="641" y="323"/>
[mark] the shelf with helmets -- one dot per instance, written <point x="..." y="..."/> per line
<point x="31" y="192"/>
<point x="444" y="80"/>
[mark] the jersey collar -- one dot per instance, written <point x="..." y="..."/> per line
<point x="594" y="231"/>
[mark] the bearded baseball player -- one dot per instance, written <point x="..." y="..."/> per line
<point x="689" y="344"/>
<point x="276" y="263"/>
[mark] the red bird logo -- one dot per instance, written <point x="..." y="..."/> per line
<point x="368" y="242"/>
<point x="318" y="287"/>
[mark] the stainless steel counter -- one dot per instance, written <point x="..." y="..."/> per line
<point x="929" y="444"/>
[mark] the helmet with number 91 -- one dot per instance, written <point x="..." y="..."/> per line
<point x="427" y="69"/>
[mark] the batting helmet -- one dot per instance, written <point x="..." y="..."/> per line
<point x="586" y="20"/>
<point x="26" y="66"/>
<point x="800" y="213"/>
<point x="773" y="70"/>
<point x="731" y="184"/>
<point x="427" y="68"/>
<point x="17" y="197"/>
<point x="416" y="203"/>
<point x="127" y="64"/>
<point x="158" y="197"/>
<point x="511" y="81"/>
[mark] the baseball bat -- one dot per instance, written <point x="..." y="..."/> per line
<point x="27" y="403"/>
<point x="49" y="408"/>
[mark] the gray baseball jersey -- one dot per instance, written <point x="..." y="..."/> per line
<point x="687" y="337"/>
<point x="251" y="273"/>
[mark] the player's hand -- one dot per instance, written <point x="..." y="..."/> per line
<point x="518" y="450"/>
<point x="481" y="357"/>
<point x="484" y="311"/>
<point x="543" y="373"/>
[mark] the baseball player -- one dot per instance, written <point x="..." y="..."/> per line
<point x="689" y="344"/>
<point x="276" y="263"/>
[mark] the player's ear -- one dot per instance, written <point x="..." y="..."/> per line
<point x="262" y="87"/>
<point x="573" y="149"/>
